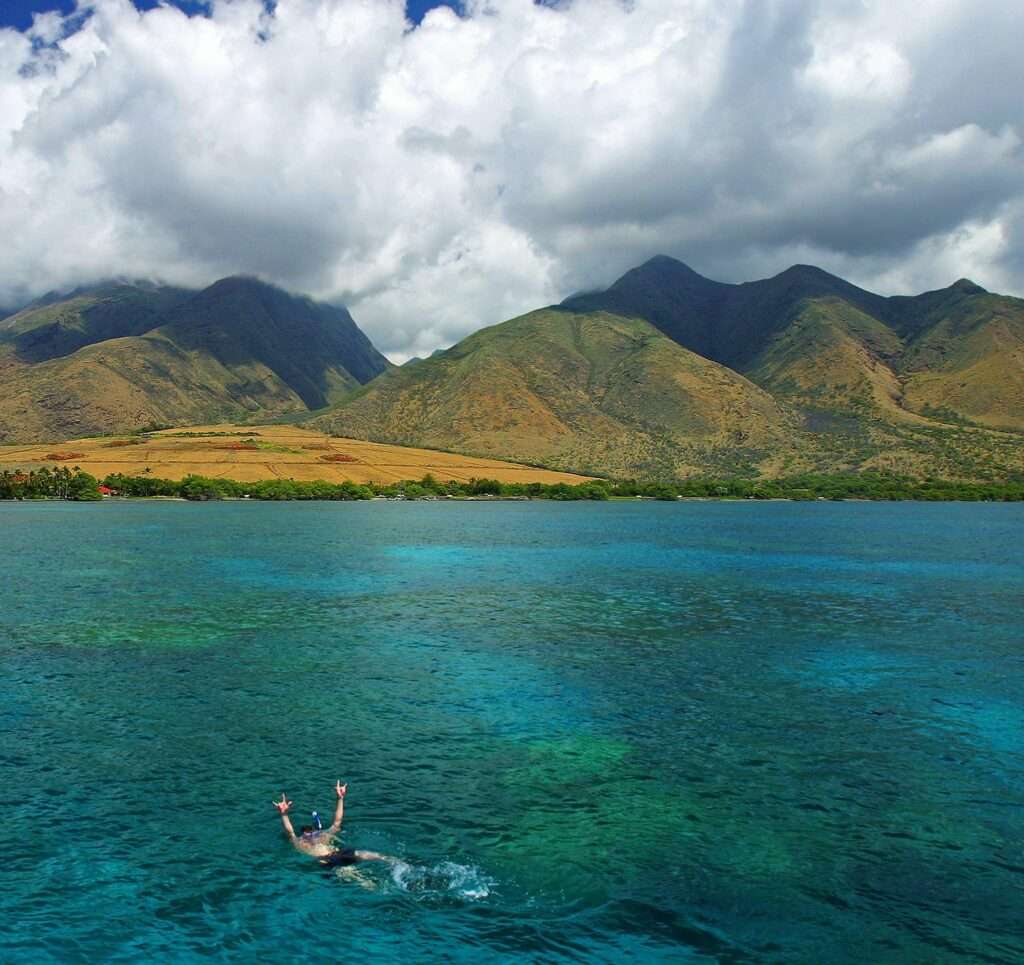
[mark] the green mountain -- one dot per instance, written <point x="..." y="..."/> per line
<point x="55" y="325"/>
<point x="598" y="392"/>
<point x="729" y="324"/>
<point x="964" y="356"/>
<point x="812" y="336"/>
<point x="122" y="355"/>
<point x="666" y="373"/>
<point x="848" y="380"/>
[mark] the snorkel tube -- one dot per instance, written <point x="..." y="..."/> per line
<point x="317" y="823"/>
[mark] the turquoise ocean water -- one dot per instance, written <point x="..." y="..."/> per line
<point x="695" y="732"/>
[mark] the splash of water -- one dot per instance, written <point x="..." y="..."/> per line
<point x="443" y="878"/>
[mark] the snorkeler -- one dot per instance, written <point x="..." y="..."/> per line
<point x="318" y="842"/>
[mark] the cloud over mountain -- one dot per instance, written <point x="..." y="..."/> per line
<point x="448" y="176"/>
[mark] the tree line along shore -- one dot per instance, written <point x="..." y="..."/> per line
<point x="66" y="483"/>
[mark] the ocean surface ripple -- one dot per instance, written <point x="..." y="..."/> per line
<point x="700" y="732"/>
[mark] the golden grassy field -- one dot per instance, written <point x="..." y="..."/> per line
<point x="281" y="452"/>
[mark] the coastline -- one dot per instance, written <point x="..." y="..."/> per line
<point x="114" y="500"/>
<point x="67" y="484"/>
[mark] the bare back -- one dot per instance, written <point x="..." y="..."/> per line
<point x="319" y="844"/>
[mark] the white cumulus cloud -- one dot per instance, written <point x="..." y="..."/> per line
<point x="441" y="178"/>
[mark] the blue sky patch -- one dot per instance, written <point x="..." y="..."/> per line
<point x="19" y="13"/>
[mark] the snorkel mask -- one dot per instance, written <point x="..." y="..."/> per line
<point x="311" y="834"/>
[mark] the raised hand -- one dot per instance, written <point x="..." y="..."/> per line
<point x="282" y="805"/>
<point x="340" y="789"/>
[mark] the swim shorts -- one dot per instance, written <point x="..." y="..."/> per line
<point x="338" y="859"/>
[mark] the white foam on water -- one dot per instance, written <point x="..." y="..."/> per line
<point x="444" y="878"/>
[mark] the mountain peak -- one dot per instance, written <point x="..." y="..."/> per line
<point x="804" y="271"/>
<point x="309" y="345"/>
<point x="668" y="294"/>
<point x="666" y="261"/>
<point x="241" y="283"/>
<point x="810" y="281"/>
<point x="665" y="267"/>
<point x="968" y="287"/>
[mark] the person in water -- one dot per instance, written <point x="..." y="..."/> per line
<point x="320" y="843"/>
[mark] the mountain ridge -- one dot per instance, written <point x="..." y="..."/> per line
<point x="859" y="380"/>
<point x="122" y="355"/>
<point x="663" y="374"/>
<point x="724" y="322"/>
<point x="596" y="391"/>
